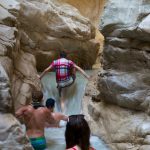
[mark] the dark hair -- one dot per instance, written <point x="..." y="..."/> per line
<point x="77" y="132"/>
<point x="37" y="96"/>
<point x="63" y="54"/>
<point x="37" y="105"/>
<point x="50" y="102"/>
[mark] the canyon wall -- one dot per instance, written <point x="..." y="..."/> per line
<point x="119" y="106"/>
<point x="32" y="32"/>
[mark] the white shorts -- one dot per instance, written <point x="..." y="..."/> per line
<point x="65" y="83"/>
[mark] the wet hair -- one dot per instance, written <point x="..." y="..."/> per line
<point x="77" y="132"/>
<point x="36" y="105"/>
<point x="50" y="102"/>
<point x="37" y="96"/>
<point x="63" y="54"/>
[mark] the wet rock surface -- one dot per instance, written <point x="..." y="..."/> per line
<point x="124" y="82"/>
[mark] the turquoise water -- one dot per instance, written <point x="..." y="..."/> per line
<point x="74" y="94"/>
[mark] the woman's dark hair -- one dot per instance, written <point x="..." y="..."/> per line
<point x="63" y="54"/>
<point x="77" y="132"/>
<point x="37" y="96"/>
<point x="50" y="102"/>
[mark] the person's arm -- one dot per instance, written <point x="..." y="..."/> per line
<point x="82" y="71"/>
<point x="45" y="71"/>
<point x="20" y="112"/>
<point x="61" y="116"/>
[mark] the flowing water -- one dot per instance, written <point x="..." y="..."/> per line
<point x="73" y="96"/>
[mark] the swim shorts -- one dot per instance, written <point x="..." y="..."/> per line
<point x="65" y="84"/>
<point x="38" y="143"/>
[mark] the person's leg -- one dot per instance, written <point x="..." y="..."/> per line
<point x="62" y="100"/>
<point x="59" y="91"/>
<point x="62" y="89"/>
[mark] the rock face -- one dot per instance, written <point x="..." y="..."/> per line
<point x="126" y="56"/>
<point x="56" y="27"/>
<point x="12" y="135"/>
<point x="86" y="7"/>
<point x="124" y="84"/>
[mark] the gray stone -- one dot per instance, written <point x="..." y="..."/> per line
<point x="124" y="84"/>
<point x="12" y="135"/>
<point x="5" y="97"/>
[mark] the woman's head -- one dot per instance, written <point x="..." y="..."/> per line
<point x="77" y="132"/>
<point x="37" y="96"/>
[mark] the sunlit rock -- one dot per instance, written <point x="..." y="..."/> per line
<point x="57" y="27"/>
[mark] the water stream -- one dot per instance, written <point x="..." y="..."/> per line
<point x="55" y="136"/>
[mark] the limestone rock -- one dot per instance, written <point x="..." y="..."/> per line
<point x="57" y="27"/>
<point x="121" y="115"/>
<point x="86" y="7"/>
<point x="5" y="97"/>
<point x="120" y="128"/>
<point x="126" y="55"/>
<point x="24" y="79"/>
<point x="7" y="39"/>
<point x="12" y="135"/>
<point x="130" y="90"/>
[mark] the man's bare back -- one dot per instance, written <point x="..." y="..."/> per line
<point x="35" y="119"/>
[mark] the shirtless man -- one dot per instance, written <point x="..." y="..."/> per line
<point x="50" y="104"/>
<point x="35" y="119"/>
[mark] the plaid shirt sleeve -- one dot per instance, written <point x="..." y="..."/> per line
<point x="71" y="63"/>
<point x="52" y="65"/>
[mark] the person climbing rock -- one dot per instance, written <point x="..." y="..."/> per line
<point x="65" y="74"/>
<point x="35" y="117"/>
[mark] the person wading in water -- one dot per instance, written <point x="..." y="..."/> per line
<point x="35" y="116"/>
<point x="65" y="74"/>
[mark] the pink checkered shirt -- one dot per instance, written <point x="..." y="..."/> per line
<point x="62" y="68"/>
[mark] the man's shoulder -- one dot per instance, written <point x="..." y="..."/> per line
<point x="28" y="107"/>
<point x="41" y="109"/>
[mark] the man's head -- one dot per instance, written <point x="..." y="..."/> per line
<point x="37" y="96"/>
<point x="50" y="104"/>
<point x="63" y="54"/>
